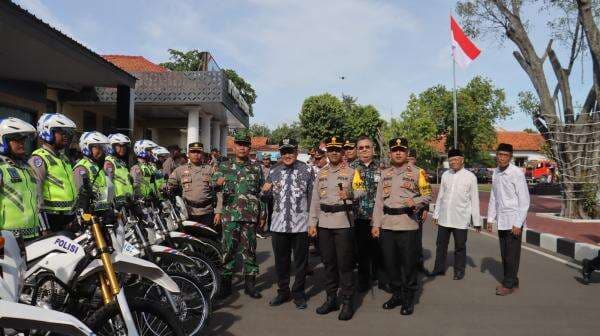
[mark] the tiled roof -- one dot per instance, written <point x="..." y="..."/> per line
<point x="257" y="144"/>
<point x="521" y="141"/>
<point x="134" y="63"/>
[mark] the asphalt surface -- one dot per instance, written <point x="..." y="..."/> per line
<point x="550" y="301"/>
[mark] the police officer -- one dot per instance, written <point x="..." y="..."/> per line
<point x="142" y="173"/>
<point x="330" y="219"/>
<point x="402" y="191"/>
<point x="193" y="180"/>
<point x="95" y="188"/>
<point x="18" y="188"/>
<point x="53" y="171"/>
<point x="159" y="155"/>
<point x="116" y="168"/>
<point x="239" y="183"/>
<point x="350" y="151"/>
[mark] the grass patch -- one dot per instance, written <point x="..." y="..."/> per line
<point x="485" y="187"/>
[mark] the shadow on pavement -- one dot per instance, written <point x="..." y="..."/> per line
<point x="220" y="323"/>
<point x="492" y="266"/>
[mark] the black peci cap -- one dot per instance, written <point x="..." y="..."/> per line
<point x="196" y="146"/>
<point x="454" y="152"/>
<point x="504" y="147"/>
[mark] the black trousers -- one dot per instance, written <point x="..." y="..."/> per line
<point x="337" y="254"/>
<point x="284" y="245"/>
<point x="510" y="250"/>
<point x="369" y="252"/>
<point x="460" y="248"/>
<point x="420" y="256"/>
<point x="399" y="250"/>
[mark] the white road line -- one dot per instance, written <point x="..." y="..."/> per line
<point x="547" y="255"/>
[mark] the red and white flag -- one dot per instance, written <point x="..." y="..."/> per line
<point x="464" y="50"/>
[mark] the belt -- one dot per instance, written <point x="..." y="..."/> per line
<point x="202" y="204"/>
<point x="335" y="208"/>
<point x="397" y="211"/>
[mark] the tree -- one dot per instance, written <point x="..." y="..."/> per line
<point x="360" y="119"/>
<point x="572" y="135"/>
<point x="246" y="90"/>
<point x="321" y="117"/>
<point x="259" y="130"/>
<point x="192" y="61"/>
<point x="293" y="131"/>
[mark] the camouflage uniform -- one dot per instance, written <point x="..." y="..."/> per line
<point x="242" y="210"/>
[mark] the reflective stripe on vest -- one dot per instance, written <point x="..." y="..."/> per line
<point x="97" y="178"/>
<point x="18" y="201"/>
<point x="58" y="189"/>
<point x="123" y="186"/>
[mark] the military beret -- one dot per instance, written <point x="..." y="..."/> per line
<point x="196" y="146"/>
<point x="348" y="144"/>
<point x="454" y="152"/>
<point x="398" y="142"/>
<point x="504" y="147"/>
<point x="334" y="141"/>
<point x="241" y="137"/>
<point x="288" y="143"/>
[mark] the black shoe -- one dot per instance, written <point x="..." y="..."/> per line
<point x="437" y="273"/>
<point x="300" y="303"/>
<point x="328" y="306"/>
<point x="250" y="290"/>
<point x="280" y="299"/>
<point x="385" y="287"/>
<point x="347" y="310"/>
<point x="225" y="291"/>
<point x="393" y="302"/>
<point x="459" y="275"/>
<point x="407" y="309"/>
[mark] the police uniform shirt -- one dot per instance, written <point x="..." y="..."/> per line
<point x="195" y="184"/>
<point x="326" y="191"/>
<point x="81" y="173"/>
<point x="39" y="168"/>
<point x="397" y="184"/>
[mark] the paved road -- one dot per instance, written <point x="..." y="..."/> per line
<point x="550" y="302"/>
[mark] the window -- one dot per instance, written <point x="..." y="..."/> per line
<point x="520" y="161"/>
<point x="89" y="121"/>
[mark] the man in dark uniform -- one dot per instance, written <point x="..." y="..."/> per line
<point x="402" y="191"/>
<point x="331" y="211"/>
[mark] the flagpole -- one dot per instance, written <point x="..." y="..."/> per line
<point x="454" y="98"/>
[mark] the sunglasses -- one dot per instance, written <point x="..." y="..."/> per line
<point x="16" y="137"/>
<point x="334" y="149"/>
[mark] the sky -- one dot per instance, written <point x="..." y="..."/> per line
<point x="289" y="50"/>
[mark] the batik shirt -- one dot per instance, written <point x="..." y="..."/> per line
<point x="370" y="175"/>
<point x="291" y="191"/>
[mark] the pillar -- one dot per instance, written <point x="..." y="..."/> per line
<point x="205" y="132"/>
<point x="216" y="135"/>
<point x="223" y="142"/>
<point x="193" y="125"/>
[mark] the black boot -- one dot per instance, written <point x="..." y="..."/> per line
<point x="250" y="290"/>
<point x="225" y="288"/>
<point x="586" y="271"/>
<point x="393" y="302"/>
<point x="408" y="304"/>
<point x="329" y="305"/>
<point x="347" y="310"/>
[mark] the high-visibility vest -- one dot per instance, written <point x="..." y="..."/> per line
<point x="99" y="185"/>
<point x="147" y="186"/>
<point x="121" y="180"/>
<point x="18" y="199"/>
<point x="159" y="180"/>
<point x="58" y="188"/>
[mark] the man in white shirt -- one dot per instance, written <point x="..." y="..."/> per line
<point x="509" y="203"/>
<point x="457" y="204"/>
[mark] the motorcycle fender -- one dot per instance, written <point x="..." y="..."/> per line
<point x="132" y="265"/>
<point x="199" y="226"/>
<point x="21" y="316"/>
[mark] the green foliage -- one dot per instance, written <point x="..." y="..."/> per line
<point x="183" y="61"/>
<point x="326" y="115"/>
<point x="259" y="130"/>
<point x="293" y="131"/>
<point x="246" y="90"/>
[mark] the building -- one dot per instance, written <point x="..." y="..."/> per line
<point x="43" y="70"/>
<point x="527" y="146"/>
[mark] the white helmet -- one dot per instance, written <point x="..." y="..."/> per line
<point x="141" y="146"/>
<point x="92" y="138"/>
<point x="15" y="127"/>
<point x="119" y="138"/>
<point x="160" y="151"/>
<point x="48" y="122"/>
